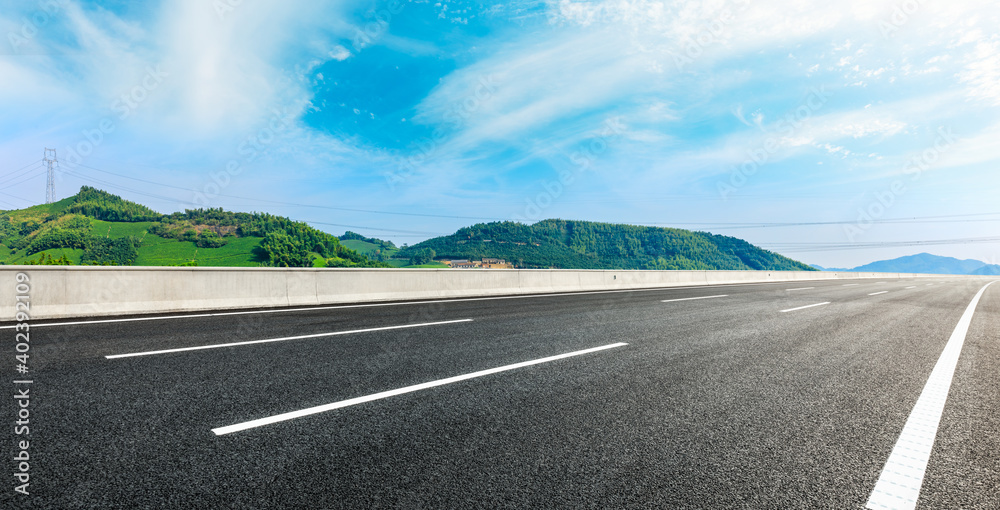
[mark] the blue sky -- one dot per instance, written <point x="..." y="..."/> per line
<point x="804" y="127"/>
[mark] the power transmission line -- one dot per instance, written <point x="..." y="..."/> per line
<point x="169" y="199"/>
<point x="369" y="211"/>
<point x="916" y="219"/>
<point x="819" y="247"/>
<point x="417" y="232"/>
<point x="720" y="225"/>
<point x="17" y="197"/>
<point x="28" y="178"/>
<point x="742" y="225"/>
<point x="33" y="163"/>
<point x="26" y="170"/>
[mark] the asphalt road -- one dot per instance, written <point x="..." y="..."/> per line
<point x="723" y="402"/>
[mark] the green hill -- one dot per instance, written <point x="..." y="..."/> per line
<point x="98" y="228"/>
<point x="375" y="249"/>
<point x="588" y="245"/>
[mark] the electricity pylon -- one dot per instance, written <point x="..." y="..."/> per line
<point x="50" y="185"/>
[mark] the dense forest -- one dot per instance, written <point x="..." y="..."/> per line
<point x="102" y="205"/>
<point x="283" y="242"/>
<point x="588" y="245"/>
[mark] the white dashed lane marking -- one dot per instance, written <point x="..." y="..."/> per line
<point x="804" y="307"/>
<point x="408" y="389"/>
<point x="282" y="339"/>
<point x="693" y="298"/>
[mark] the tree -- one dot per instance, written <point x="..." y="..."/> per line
<point x="422" y="256"/>
<point x="102" y="251"/>
<point x="284" y="251"/>
<point x="105" y="206"/>
<point x="46" y="260"/>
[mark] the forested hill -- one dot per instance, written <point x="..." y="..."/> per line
<point x="98" y="228"/>
<point x="588" y="245"/>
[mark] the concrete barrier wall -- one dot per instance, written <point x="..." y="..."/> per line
<point x="59" y="291"/>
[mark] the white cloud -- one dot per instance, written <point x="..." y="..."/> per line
<point x="339" y="53"/>
<point x="982" y="72"/>
<point x="973" y="149"/>
<point x="601" y="55"/>
<point x="868" y="127"/>
<point x="523" y="90"/>
<point x="555" y="85"/>
<point x="221" y="71"/>
<point x="739" y="27"/>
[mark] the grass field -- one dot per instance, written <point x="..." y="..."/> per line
<point x="158" y="251"/>
<point x="116" y="229"/>
<point x="366" y="248"/>
<point x="359" y="246"/>
<point x="155" y="250"/>
<point x="21" y="258"/>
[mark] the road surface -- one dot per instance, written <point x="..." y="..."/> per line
<point x="744" y="396"/>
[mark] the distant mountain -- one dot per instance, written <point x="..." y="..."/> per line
<point x="587" y="245"/>
<point x="830" y="269"/>
<point x="925" y="263"/>
<point x="992" y="269"/>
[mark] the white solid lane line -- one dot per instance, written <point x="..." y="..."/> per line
<point x="913" y="287"/>
<point x="851" y="284"/>
<point x="877" y="293"/>
<point x="283" y="339"/>
<point x="898" y="486"/>
<point x="693" y="298"/>
<point x="391" y="393"/>
<point x="802" y="288"/>
<point x="804" y="307"/>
